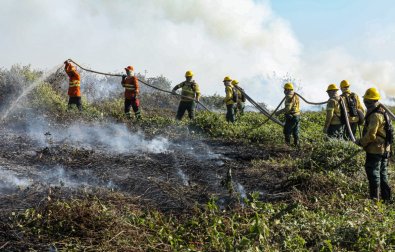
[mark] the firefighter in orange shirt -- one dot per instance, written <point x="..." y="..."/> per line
<point x="132" y="90"/>
<point x="74" y="85"/>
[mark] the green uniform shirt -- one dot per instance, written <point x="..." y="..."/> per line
<point x="190" y="90"/>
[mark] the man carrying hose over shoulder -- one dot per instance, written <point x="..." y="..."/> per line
<point x="230" y="99"/>
<point x="132" y="90"/>
<point x="239" y="107"/>
<point x="74" y="91"/>
<point x="333" y="123"/>
<point x="292" y="115"/>
<point x="354" y="108"/>
<point x="190" y="92"/>
<point x="376" y="140"/>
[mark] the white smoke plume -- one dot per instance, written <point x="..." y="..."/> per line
<point x="241" y="38"/>
<point x="113" y="138"/>
<point x="9" y="180"/>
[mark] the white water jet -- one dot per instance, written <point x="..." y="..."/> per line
<point x="28" y="90"/>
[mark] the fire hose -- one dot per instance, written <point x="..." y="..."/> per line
<point x="388" y="111"/>
<point x="264" y="111"/>
<point x="347" y="121"/>
<point x="312" y="103"/>
<point x="145" y="83"/>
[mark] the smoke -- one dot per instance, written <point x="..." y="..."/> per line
<point x="9" y="180"/>
<point x="112" y="138"/>
<point x="241" y="38"/>
<point x="54" y="176"/>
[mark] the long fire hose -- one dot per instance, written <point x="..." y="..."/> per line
<point x="388" y="111"/>
<point x="260" y="108"/>
<point x="145" y="83"/>
<point x="312" y="103"/>
<point x="347" y="121"/>
<point x="274" y="112"/>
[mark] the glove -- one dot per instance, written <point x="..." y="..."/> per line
<point x="124" y="76"/>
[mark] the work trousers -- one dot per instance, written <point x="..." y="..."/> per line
<point x="376" y="167"/>
<point x="135" y="104"/>
<point x="74" y="100"/>
<point x="291" y="127"/>
<point x="230" y="113"/>
<point x="189" y="106"/>
<point x="335" y="131"/>
<point x="239" y="108"/>
<point x="353" y="127"/>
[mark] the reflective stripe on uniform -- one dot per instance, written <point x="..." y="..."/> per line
<point x="129" y="87"/>
<point x="75" y="83"/>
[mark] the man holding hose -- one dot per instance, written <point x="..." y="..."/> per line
<point x="190" y="93"/>
<point x="74" y="91"/>
<point x="292" y="115"/>
<point x="132" y="90"/>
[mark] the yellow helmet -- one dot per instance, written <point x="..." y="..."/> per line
<point x="344" y="84"/>
<point x="372" y="94"/>
<point x="189" y="73"/>
<point x="235" y="82"/>
<point x="227" y="78"/>
<point x="332" y="87"/>
<point x="289" y="86"/>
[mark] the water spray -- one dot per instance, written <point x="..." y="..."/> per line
<point x="27" y="91"/>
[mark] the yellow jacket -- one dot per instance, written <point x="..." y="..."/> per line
<point x="374" y="134"/>
<point x="292" y="105"/>
<point x="189" y="90"/>
<point x="353" y="119"/>
<point x="229" y="95"/>
<point x="333" y="112"/>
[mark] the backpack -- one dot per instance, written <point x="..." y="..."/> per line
<point x="235" y="95"/>
<point x="389" y="130"/>
<point x="352" y="104"/>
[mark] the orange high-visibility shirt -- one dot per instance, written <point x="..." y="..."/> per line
<point x="74" y="80"/>
<point x="131" y="85"/>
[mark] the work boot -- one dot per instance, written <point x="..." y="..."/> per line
<point x="385" y="192"/>
<point x="374" y="192"/>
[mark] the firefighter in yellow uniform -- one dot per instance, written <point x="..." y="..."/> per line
<point x="190" y="94"/>
<point x="229" y="100"/>
<point x="354" y="107"/>
<point x="376" y="141"/>
<point x="239" y="107"/>
<point x="333" y="124"/>
<point x="292" y="115"/>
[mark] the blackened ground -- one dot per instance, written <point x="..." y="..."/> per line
<point x="189" y="172"/>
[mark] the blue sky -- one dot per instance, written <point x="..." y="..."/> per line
<point x="322" y="24"/>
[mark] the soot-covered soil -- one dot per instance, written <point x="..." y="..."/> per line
<point x="176" y="172"/>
